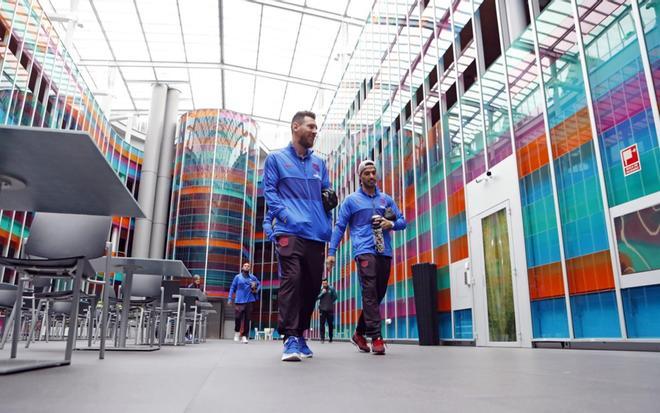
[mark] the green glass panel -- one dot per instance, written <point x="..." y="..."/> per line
<point x="499" y="287"/>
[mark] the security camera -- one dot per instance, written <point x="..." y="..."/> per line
<point x="485" y="177"/>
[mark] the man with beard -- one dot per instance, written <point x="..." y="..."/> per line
<point x="293" y="180"/>
<point x="372" y="216"/>
<point x="244" y="291"/>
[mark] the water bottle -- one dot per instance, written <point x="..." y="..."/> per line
<point x="379" y="241"/>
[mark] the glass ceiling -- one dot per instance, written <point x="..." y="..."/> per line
<point x="265" y="58"/>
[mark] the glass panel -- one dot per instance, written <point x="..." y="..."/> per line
<point x="499" y="286"/>
<point x="638" y="241"/>
<point x="650" y="11"/>
<point x="498" y="135"/>
<point x="586" y="248"/>
<point x="641" y="306"/>
<point x="622" y="108"/>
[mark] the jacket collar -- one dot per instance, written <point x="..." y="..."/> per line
<point x="376" y="194"/>
<point x="294" y="153"/>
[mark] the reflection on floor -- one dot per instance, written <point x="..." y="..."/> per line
<point x="223" y="376"/>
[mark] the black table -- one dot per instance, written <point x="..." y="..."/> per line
<point x="59" y="171"/>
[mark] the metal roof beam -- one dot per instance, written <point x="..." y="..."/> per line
<point x="310" y="11"/>
<point x="204" y="65"/>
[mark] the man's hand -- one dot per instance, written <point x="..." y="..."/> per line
<point x="329" y="262"/>
<point x="386" y="224"/>
<point x="229" y="302"/>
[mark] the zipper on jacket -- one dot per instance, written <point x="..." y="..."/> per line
<point x="304" y="171"/>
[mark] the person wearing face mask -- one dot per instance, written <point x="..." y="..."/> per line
<point x="294" y="179"/>
<point x="372" y="216"/>
<point x="243" y="292"/>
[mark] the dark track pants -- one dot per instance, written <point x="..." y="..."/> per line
<point x="374" y="272"/>
<point x="242" y="322"/>
<point x="326" y="317"/>
<point x="301" y="269"/>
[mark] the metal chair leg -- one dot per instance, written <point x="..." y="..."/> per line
<point x="8" y="328"/>
<point x="17" y="318"/>
<point x="75" y="301"/>
<point x="33" y="325"/>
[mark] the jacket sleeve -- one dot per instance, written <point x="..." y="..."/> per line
<point x="334" y="295"/>
<point x="325" y="180"/>
<point x="268" y="226"/>
<point x="272" y="195"/>
<point x="400" y="222"/>
<point x="232" y="289"/>
<point x="254" y="277"/>
<point x="342" y="221"/>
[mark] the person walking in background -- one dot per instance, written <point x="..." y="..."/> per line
<point x="372" y="216"/>
<point x="294" y="179"/>
<point x="327" y="300"/>
<point x="245" y="287"/>
<point x="196" y="283"/>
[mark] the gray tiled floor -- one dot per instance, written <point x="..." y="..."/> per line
<point x="222" y="376"/>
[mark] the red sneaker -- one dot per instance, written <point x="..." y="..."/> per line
<point x="360" y="342"/>
<point x="378" y="346"/>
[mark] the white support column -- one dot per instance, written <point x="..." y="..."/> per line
<point x="164" y="178"/>
<point x="148" y="179"/>
<point x="516" y="19"/>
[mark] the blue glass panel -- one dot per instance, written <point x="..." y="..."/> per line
<point x="445" y="325"/>
<point x="549" y="318"/>
<point x="641" y="308"/>
<point x="412" y="327"/>
<point x="595" y="315"/>
<point x="463" y="324"/>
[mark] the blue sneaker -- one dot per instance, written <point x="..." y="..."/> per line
<point x="291" y="349"/>
<point x="305" y="351"/>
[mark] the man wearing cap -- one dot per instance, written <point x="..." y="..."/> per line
<point x="372" y="216"/>
<point x="293" y="181"/>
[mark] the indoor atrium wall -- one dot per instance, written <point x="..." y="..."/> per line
<point x="214" y="192"/>
<point x="439" y="95"/>
<point x="265" y="266"/>
<point x="41" y="86"/>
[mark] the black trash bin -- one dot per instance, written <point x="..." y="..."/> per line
<point x="425" y="287"/>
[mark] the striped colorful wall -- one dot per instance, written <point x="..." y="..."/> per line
<point x="41" y="86"/>
<point x="213" y="205"/>
<point x="564" y="102"/>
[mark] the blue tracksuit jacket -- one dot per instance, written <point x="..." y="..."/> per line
<point x="268" y="226"/>
<point x="356" y="211"/>
<point x="292" y="188"/>
<point x="241" y="286"/>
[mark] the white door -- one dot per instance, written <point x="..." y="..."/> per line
<point x="495" y="298"/>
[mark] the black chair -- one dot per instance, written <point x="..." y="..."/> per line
<point x="146" y="295"/>
<point x="59" y="247"/>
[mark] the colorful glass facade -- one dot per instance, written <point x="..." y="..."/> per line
<point x="266" y="269"/>
<point x="440" y="92"/>
<point x="214" y="194"/>
<point x="41" y="86"/>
